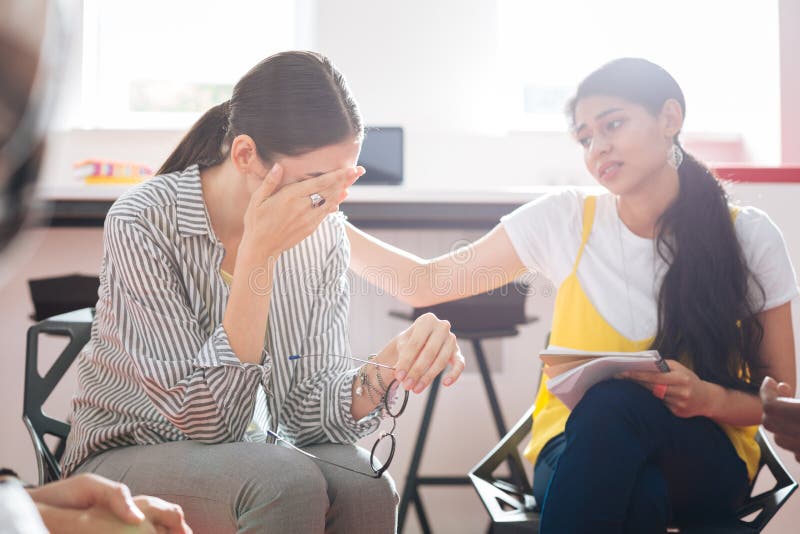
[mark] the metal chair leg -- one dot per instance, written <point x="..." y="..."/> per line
<point x="487" y="382"/>
<point x="410" y="491"/>
<point x="516" y="471"/>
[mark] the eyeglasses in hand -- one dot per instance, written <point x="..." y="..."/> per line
<point x="382" y="452"/>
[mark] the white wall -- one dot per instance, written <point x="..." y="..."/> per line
<point x="432" y="67"/>
<point x="790" y="81"/>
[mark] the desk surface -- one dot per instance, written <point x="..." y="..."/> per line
<point x="376" y="206"/>
<point x="358" y="193"/>
<point x="367" y="206"/>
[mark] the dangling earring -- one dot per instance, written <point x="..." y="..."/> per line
<point x="675" y="156"/>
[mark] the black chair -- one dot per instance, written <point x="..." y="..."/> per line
<point x="513" y="509"/>
<point x="490" y="315"/>
<point x="61" y="294"/>
<point x="77" y="326"/>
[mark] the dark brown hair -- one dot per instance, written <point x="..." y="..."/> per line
<point x="290" y="103"/>
<point x="705" y="312"/>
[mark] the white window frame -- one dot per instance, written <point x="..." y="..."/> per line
<point x="84" y="111"/>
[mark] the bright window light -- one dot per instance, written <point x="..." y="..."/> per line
<point x="724" y="54"/>
<point x="160" y="64"/>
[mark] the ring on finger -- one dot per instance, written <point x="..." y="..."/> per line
<point x="317" y="200"/>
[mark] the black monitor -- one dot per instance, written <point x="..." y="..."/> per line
<point x="382" y="156"/>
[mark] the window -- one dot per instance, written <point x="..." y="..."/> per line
<point x="160" y="64"/>
<point x="724" y="54"/>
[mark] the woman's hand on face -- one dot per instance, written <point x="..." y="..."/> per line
<point x="277" y="221"/>
<point x="424" y="350"/>
<point x="685" y="395"/>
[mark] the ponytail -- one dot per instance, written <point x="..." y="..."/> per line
<point x="706" y="316"/>
<point x="202" y="144"/>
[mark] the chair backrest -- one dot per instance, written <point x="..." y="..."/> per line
<point x="499" y="309"/>
<point x="511" y="507"/>
<point x="61" y="294"/>
<point x="77" y="326"/>
<point x="768" y="502"/>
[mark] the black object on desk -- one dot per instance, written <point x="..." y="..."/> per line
<point x="61" y="294"/>
<point x="489" y="315"/>
<point x="382" y="156"/>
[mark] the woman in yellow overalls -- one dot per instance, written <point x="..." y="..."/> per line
<point x="661" y="261"/>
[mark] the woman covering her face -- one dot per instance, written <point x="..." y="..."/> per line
<point x="221" y="323"/>
<point x="663" y="261"/>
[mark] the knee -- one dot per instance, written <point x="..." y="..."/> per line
<point x="609" y="402"/>
<point x="359" y="503"/>
<point x="376" y="493"/>
<point x="383" y="492"/>
<point x="284" y="480"/>
<point x="364" y="505"/>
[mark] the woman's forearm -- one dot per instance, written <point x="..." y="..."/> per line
<point x="399" y="273"/>
<point x="245" y="319"/>
<point x="486" y="264"/>
<point x="733" y="407"/>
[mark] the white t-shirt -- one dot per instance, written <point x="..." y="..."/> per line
<point x="546" y="234"/>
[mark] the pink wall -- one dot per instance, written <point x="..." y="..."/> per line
<point x="789" y="12"/>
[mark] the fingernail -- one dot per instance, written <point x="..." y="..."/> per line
<point x="447" y="381"/>
<point x="135" y="510"/>
<point x="420" y="387"/>
<point x="275" y="168"/>
<point x="400" y="375"/>
<point x="409" y="384"/>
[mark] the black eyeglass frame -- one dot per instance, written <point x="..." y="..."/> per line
<point x="390" y="434"/>
<point x="387" y="407"/>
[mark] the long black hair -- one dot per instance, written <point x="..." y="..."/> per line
<point x="707" y="316"/>
<point x="289" y="103"/>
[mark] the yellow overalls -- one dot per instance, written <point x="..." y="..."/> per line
<point x="578" y="325"/>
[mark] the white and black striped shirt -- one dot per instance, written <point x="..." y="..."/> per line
<point x="159" y="366"/>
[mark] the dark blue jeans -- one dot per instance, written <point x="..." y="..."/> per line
<point x="625" y="463"/>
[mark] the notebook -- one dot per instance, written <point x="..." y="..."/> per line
<point x="571" y="372"/>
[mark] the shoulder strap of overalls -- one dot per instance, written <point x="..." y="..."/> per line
<point x="589" y="205"/>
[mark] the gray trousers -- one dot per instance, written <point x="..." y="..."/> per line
<point x="255" y="487"/>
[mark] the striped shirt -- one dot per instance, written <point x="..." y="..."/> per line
<point x="159" y="366"/>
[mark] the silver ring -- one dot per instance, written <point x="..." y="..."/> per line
<point x="317" y="200"/>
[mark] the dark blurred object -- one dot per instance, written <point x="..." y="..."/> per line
<point x="382" y="156"/>
<point x="54" y="296"/>
<point x="32" y="47"/>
